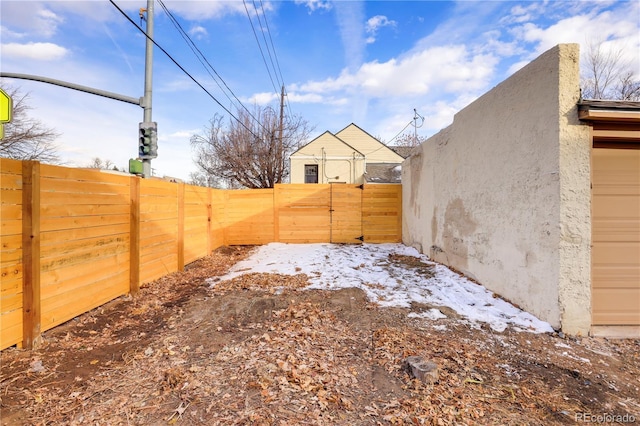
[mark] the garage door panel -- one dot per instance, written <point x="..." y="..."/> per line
<point x="616" y="207"/>
<point x="616" y="306"/>
<point x="616" y="230"/>
<point x="615" y="255"/>
<point x="618" y="276"/>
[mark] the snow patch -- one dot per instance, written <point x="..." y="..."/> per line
<point x="370" y="268"/>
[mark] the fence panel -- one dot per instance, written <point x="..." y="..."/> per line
<point x="73" y="239"/>
<point x="10" y="253"/>
<point x="303" y="213"/>
<point x="249" y="217"/>
<point x="158" y="229"/>
<point x="382" y="213"/>
<point x="84" y="241"/>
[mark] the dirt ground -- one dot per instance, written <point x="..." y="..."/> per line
<point x="259" y="350"/>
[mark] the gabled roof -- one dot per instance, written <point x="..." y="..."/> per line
<point x="402" y="151"/>
<point x="376" y="144"/>
<point x="327" y="133"/>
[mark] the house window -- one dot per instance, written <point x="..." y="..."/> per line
<point x="310" y="173"/>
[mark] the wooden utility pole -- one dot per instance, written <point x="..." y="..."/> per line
<point x="280" y="153"/>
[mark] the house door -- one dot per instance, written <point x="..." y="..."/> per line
<point x="615" y="218"/>
<point x="346" y="213"/>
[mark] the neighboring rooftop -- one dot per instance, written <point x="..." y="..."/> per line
<point x="383" y="173"/>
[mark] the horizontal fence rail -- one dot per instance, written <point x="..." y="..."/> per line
<point x="74" y="239"/>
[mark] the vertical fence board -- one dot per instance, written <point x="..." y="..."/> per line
<point x="31" y="254"/>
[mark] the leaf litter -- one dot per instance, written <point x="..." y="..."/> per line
<point x="204" y="347"/>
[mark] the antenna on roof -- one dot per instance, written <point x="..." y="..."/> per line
<point x="416" y="116"/>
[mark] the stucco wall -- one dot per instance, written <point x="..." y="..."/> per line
<point x="503" y="193"/>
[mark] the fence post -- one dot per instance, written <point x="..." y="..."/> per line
<point x="276" y="213"/>
<point x="209" y="219"/>
<point x="31" y="313"/>
<point x="134" y="235"/>
<point x="180" y="226"/>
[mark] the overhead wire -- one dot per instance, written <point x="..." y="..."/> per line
<point x="400" y="132"/>
<point x="266" y="44"/>
<point x="259" y="46"/>
<point x="202" y="59"/>
<point x="277" y="70"/>
<point x="275" y="55"/>
<point x="182" y="68"/>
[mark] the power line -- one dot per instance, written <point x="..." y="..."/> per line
<point x="266" y="44"/>
<point x="275" y="55"/>
<point x="201" y="57"/>
<point x="181" y="68"/>
<point x="260" y="46"/>
<point x="400" y="132"/>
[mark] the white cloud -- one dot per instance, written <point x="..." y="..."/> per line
<point x="376" y="22"/>
<point x="449" y="68"/>
<point x="199" y="32"/>
<point x="314" y="5"/>
<point x="264" y="98"/>
<point x="37" y="19"/>
<point x="37" y="51"/>
<point x="200" y="10"/>
<point x="599" y="25"/>
<point x="6" y="33"/>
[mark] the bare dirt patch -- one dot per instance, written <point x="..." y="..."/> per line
<point x="260" y="350"/>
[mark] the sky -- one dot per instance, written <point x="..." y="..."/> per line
<point x="367" y="266"/>
<point x="365" y="62"/>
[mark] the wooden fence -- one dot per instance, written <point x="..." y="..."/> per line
<point x="73" y="239"/>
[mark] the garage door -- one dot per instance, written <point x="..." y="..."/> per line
<point x="615" y="261"/>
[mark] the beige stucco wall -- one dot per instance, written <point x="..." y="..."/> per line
<point x="337" y="161"/>
<point x="503" y="193"/>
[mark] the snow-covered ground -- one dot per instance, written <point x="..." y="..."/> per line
<point x="369" y="267"/>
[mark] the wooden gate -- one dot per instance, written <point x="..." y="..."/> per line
<point x="345" y="214"/>
<point x="337" y="213"/>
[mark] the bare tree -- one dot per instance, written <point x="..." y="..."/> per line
<point x="409" y="140"/>
<point x="608" y="75"/>
<point x="26" y="138"/>
<point x="99" y="163"/>
<point x="251" y="152"/>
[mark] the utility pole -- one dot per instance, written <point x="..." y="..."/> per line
<point x="280" y="153"/>
<point x="148" y="83"/>
<point x="415" y="125"/>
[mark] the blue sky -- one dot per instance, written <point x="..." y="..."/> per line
<point x="367" y="62"/>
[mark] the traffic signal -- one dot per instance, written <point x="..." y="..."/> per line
<point x="148" y="143"/>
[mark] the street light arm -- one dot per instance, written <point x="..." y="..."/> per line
<point x="86" y="89"/>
